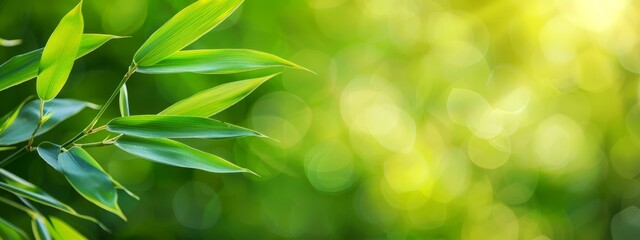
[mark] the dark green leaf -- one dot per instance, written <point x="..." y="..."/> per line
<point x="89" y="179"/>
<point x="49" y="152"/>
<point x="24" y="67"/>
<point x="184" y="28"/>
<point x="217" y="61"/>
<point x="154" y="126"/>
<point x="9" y="231"/>
<point x="211" y="101"/>
<point x="59" y="54"/>
<point x="176" y="154"/>
<point x="27" y="120"/>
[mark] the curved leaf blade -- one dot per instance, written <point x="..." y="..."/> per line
<point x="177" y="154"/>
<point x="211" y="101"/>
<point x="49" y="152"/>
<point x="9" y="118"/>
<point x="10" y="231"/>
<point x="217" y="61"/>
<point x="24" y="67"/>
<point x="42" y="229"/>
<point x="59" y="54"/>
<point x="183" y="29"/>
<point x="124" y="101"/>
<point x="27" y="120"/>
<point x="23" y="188"/>
<point x="154" y="126"/>
<point x="63" y="229"/>
<point x="89" y="179"/>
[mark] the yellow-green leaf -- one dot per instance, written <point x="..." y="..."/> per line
<point x="183" y="29"/>
<point x="64" y="230"/>
<point x="211" y="101"/>
<point x="10" y="231"/>
<point x="89" y="179"/>
<point x="174" y="153"/>
<point x="124" y="101"/>
<point x="217" y="61"/>
<point x="24" y="67"/>
<point x="59" y="54"/>
<point x="10" y="117"/>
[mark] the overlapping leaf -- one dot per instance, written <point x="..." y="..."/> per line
<point x="24" y="67"/>
<point x="21" y="187"/>
<point x="27" y="120"/>
<point x="217" y="61"/>
<point x="41" y="228"/>
<point x="89" y="179"/>
<point x="49" y="152"/>
<point x="209" y="102"/>
<point x="59" y="54"/>
<point x="183" y="29"/>
<point x="155" y="126"/>
<point x="176" y="154"/>
<point x="10" y="117"/>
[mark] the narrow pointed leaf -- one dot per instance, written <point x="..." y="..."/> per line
<point x="59" y="54"/>
<point x="176" y="154"/>
<point x="154" y="126"/>
<point x="217" y="61"/>
<point x="20" y="187"/>
<point x="63" y="229"/>
<point x="211" y="101"/>
<point x="10" y="231"/>
<point x="49" y="152"/>
<point x="89" y="179"/>
<point x="124" y="101"/>
<point x="40" y="227"/>
<point x="24" y="67"/>
<point x="27" y="120"/>
<point x="10" y="42"/>
<point x="183" y="29"/>
<point x="10" y="117"/>
<point x="6" y="148"/>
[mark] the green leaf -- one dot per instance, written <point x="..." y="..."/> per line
<point x="49" y="152"/>
<point x="211" y="101"/>
<point x="153" y="126"/>
<point x="24" y="67"/>
<point x="124" y="101"/>
<point x="59" y="54"/>
<point x="9" y="118"/>
<point x="41" y="228"/>
<point x="10" y="231"/>
<point x="176" y="154"/>
<point x="63" y="229"/>
<point x="183" y="29"/>
<point x="6" y="148"/>
<point x="10" y="42"/>
<point x="21" y="187"/>
<point x="217" y="61"/>
<point x="89" y="179"/>
<point x="27" y="120"/>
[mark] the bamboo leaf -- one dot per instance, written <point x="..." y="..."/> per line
<point x="42" y="229"/>
<point x="64" y="230"/>
<point x="89" y="179"/>
<point x="174" y="153"/>
<point x="209" y="102"/>
<point x="6" y="148"/>
<point x="154" y="126"/>
<point x="183" y="29"/>
<point x="10" y="231"/>
<point x="124" y="101"/>
<point x="49" y="152"/>
<point x="24" y="67"/>
<point x="10" y="42"/>
<point x="9" y="118"/>
<point x="217" y="61"/>
<point x="27" y="120"/>
<point x="21" y="187"/>
<point x="59" y="54"/>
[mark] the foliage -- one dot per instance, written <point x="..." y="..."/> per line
<point x="146" y="136"/>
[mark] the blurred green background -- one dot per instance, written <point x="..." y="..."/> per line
<point x="427" y="119"/>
